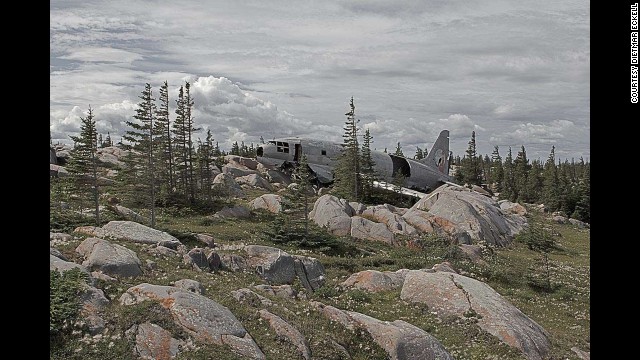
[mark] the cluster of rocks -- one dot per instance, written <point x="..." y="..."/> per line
<point x="448" y="293"/>
<point x="464" y="217"/>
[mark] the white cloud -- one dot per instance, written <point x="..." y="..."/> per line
<point x="459" y="126"/>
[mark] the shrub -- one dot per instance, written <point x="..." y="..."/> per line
<point x="64" y="305"/>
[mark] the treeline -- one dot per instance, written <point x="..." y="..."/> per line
<point x="165" y="165"/>
<point x="563" y="186"/>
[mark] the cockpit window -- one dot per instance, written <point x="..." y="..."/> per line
<point x="282" y="147"/>
<point x="271" y="142"/>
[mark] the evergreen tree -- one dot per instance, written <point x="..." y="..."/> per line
<point x="107" y="140"/>
<point x="420" y="154"/>
<point x="367" y="166"/>
<point x="206" y="158"/>
<point x="180" y="146"/>
<point x="534" y="182"/>
<point x="163" y="144"/>
<point x="470" y="169"/>
<point x="497" y="171"/>
<point x="550" y="183"/>
<point x="398" y="151"/>
<point x="582" y="210"/>
<point x="521" y="173"/>
<point x="100" y="143"/>
<point x="509" y="191"/>
<point x="348" y="184"/>
<point x="141" y="139"/>
<point x="235" y="149"/>
<point x="83" y="163"/>
<point x="188" y="120"/>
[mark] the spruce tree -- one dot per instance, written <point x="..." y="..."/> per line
<point x="509" y="191"/>
<point x="398" y="151"/>
<point x="470" y="166"/>
<point x="181" y="146"/>
<point x="163" y="145"/>
<point x="582" y="210"/>
<point x="188" y="120"/>
<point x="206" y="158"/>
<point x="521" y="173"/>
<point x="348" y="184"/>
<point x="367" y="166"/>
<point x="551" y="183"/>
<point x="235" y="149"/>
<point x="83" y="163"/>
<point x="142" y="161"/>
<point x="420" y="154"/>
<point x="497" y="171"/>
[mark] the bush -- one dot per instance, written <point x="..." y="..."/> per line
<point x="64" y="305"/>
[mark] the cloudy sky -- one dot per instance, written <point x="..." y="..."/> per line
<point x="516" y="72"/>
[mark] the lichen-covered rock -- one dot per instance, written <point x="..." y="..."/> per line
<point x="246" y="296"/>
<point x="233" y="262"/>
<point x="388" y="214"/>
<point x="269" y="202"/>
<point x="135" y="232"/>
<point x="204" y="319"/>
<point x="55" y="263"/>
<point x="450" y="294"/>
<point x="512" y="208"/>
<point x="310" y="271"/>
<point x="366" y="229"/>
<point x="206" y="239"/>
<point x="225" y="184"/>
<point x="254" y="180"/>
<point x="92" y="303"/>
<point x="197" y="258"/>
<point x="375" y="281"/>
<point x="111" y="259"/>
<point x="155" y="343"/>
<point x="401" y="340"/>
<point x="332" y="213"/>
<point x="190" y="285"/>
<point x="464" y="217"/>
<point x="272" y="264"/>
<point x="286" y="331"/>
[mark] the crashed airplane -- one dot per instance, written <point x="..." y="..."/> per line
<point x="420" y="175"/>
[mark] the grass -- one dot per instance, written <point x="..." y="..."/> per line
<point x="564" y="313"/>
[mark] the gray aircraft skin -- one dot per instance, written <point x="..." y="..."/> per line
<point x="422" y="175"/>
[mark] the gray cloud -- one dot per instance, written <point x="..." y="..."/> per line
<point x="269" y="68"/>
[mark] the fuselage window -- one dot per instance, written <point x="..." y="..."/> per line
<point x="282" y="147"/>
<point x="324" y="152"/>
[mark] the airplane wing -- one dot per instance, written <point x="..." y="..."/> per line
<point x="323" y="172"/>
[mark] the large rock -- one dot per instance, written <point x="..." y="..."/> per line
<point x="450" y="294"/>
<point x="206" y="239"/>
<point x="197" y="258"/>
<point x="286" y="331"/>
<point x="332" y="213"/>
<point x="111" y="259"/>
<point x="388" y="215"/>
<point x="249" y="163"/>
<point x="366" y="229"/>
<point x="226" y="185"/>
<point x="269" y="202"/>
<point x="233" y="262"/>
<point x="57" y="264"/>
<point x="272" y="264"/>
<point x="512" y="208"/>
<point x="92" y="303"/>
<point x="235" y="169"/>
<point x="55" y="252"/>
<point x="135" y="232"/>
<point x="246" y="296"/>
<point x="128" y="214"/>
<point x="190" y="285"/>
<point x="401" y="340"/>
<point x="254" y="180"/>
<point x="464" y="217"/>
<point x="57" y="170"/>
<point x="310" y="272"/>
<point x="155" y="343"/>
<point x="112" y="155"/>
<point x="375" y="281"/>
<point x="283" y="291"/>
<point x="204" y="319"/>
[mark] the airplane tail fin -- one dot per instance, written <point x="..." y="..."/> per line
<point x="439" y="154"/>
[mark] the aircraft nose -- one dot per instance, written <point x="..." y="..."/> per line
<point x="259" y="151"/>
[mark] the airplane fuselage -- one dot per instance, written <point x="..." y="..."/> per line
<point x="322" y="156"/>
